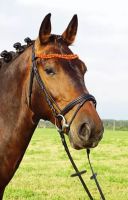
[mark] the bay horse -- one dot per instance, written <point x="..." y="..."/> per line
<point x="23" y="104"/>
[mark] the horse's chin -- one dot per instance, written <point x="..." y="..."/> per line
<point x="78" y="144"/>
<point x="75" y="142"/>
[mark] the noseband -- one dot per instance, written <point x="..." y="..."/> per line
<point x="63" y="126"/>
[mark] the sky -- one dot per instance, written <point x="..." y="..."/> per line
<point x="101" y="42"/>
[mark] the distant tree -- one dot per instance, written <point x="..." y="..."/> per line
<point x="109" y="124"/>
<point x="116" y="124"/>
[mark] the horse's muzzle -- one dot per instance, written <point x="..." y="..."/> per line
<point x="87" y="137"/>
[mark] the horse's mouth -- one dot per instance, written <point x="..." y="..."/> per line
<point x="79" y="144"/>
<point x="84" y="146"/>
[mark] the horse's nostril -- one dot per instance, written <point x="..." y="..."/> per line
<point x="84" y="131"/>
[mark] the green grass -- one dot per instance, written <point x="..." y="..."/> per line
<point x="44" y="173"/>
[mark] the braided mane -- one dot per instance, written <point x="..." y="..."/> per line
<point x="8" y="56"/>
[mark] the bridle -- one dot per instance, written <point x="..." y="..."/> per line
<point x="56" y="111"/>
<point x="59" y="114"/>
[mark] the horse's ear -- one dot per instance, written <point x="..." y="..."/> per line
<point x="70" y="32"/>
<point x="45" y="29"/>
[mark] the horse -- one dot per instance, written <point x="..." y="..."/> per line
<point x="55" y="83"/>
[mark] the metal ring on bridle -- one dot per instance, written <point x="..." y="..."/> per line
<point x="64" y="122"/>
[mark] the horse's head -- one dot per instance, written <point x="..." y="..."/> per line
<point x="63" y="78"/>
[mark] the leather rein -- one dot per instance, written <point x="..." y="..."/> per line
<point x="59" y="114"/>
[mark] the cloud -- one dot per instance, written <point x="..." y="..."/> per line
<point x="102" y="42"/>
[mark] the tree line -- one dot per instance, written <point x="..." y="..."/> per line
<point x="108" y="124"/>
<point x="116" y="124"/>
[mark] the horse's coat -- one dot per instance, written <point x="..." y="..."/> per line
<point x="64" y="81"/>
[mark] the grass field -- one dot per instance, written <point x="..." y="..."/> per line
<point x="44" y="173"/>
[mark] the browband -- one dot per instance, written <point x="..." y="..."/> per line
<point x="55" y="55"/>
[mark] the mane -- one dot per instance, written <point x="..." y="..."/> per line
<point x="6" y="57"/>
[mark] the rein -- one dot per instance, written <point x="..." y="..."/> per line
<point x="59" y="114"/>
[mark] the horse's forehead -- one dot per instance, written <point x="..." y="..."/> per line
<point x="56" y="45"/>
<point x="59" y="48"/>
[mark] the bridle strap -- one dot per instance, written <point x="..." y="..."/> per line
<point x="78" y="173"/>
<point x="35" y="72"/>
<point x="30" y="86"/>
<point x="56" y="111"/>
<point x="83" y="97"/>
<point x="56" y="55"/>
<point x="80" y="101"/>
<point x="94" y="176"/>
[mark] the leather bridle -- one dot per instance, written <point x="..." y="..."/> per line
<point x="56" y="111"/>
<point x="59" y="114"/>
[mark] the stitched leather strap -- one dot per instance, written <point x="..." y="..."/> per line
<point x="82" y="98"/>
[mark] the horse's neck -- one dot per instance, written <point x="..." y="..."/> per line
<point x="16" y="119"/>
<point x="14" y="92"/>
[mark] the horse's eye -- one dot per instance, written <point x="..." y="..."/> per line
<point x="49" y="71"/>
